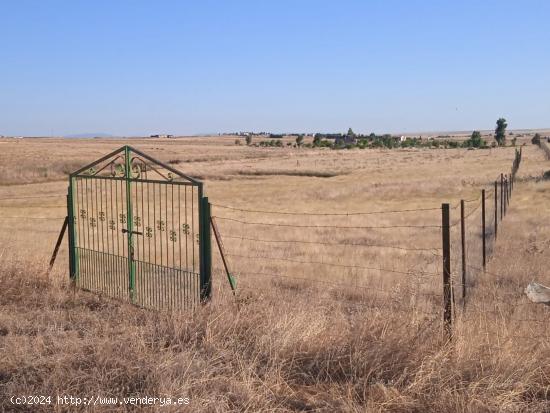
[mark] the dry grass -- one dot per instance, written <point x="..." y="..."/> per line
<point x="288" y="343"/>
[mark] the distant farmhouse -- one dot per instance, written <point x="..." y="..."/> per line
<point x="162" y="136"/>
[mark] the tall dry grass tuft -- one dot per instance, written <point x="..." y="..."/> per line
<point x="268" y="353"/>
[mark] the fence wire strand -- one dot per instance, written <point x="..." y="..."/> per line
<point x="325" y="214"/>
<point x="325" y="226"/>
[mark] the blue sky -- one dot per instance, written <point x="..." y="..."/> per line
<point x="141" y="67"/>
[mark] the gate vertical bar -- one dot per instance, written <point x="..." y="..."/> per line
<point x="483" y="241"/>
<point x="463" y="249"/>
<point x="130" y="224"/>
<point x="446" y="241"/>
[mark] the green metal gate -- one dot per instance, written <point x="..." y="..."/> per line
<point x="139" y="230"/>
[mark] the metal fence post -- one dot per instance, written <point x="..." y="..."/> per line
<point x="496" y="208"/>
<point x="463" y="245"/>
<point x="446" y="244"/>
<point x="483" y="242"/>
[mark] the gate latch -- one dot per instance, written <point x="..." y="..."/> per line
<point x="124" y="231"/>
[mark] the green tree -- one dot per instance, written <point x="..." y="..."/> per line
<point x="500" y="131"/>
<point x="536" y="139"/>
<point x="300" y="140"/>
<point x="248" y="139"/>
<point x="351" y="133"/>
<point x="475" y="140"/>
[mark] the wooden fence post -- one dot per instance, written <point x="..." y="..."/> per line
<point x="446" y="244"/>
<point x="483" y="242"/>
<point x="501" y="196"/>
<point x="496" y="208"/>
<point x="505" y="195"/>
<point x="463" y="245"/>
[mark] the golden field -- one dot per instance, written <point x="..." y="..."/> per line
<point x="346" y="316"/>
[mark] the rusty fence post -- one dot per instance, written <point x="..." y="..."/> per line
<point x="446" y="244"/>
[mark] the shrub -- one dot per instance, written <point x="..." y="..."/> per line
<point x="536" y="139"/>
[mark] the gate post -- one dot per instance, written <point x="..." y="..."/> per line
<point x="73" y="264"/>
<point x="205" y="249"/>
<point x="70" y="215"/>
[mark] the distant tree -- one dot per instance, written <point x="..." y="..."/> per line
<point x="536" y="139"/>
<point x="500" y="131"/>
<point x="475" y="139"/>
<point x="248" y="139"/>
<point x="351" y="133"/>
<point x="317" y="140"/>
<point x="300" y="140"/>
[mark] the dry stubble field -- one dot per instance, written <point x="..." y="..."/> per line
<point x="363" y="333"/>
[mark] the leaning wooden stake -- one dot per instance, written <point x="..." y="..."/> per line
<point x="446" y="244"/>
<point x="58" y="243"/>
<point x="218" y="237"/>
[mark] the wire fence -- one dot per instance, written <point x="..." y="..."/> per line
<point x="330" y="254"/>
<point x="371" y="260"/>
